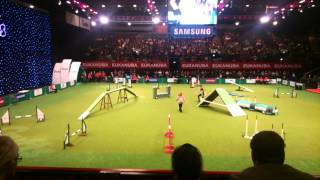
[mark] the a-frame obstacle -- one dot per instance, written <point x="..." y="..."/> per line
<point x="105" y="100"/>
<point x="226" y="101"/>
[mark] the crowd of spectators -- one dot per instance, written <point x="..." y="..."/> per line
<point x="103" y="75"/>
<point x="225" y="45"/>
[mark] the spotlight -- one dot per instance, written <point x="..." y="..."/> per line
<point x="104" y="20"/>
<point x="31" y="6"/>
<point x="237" y="23"/>
<point x="134" y="5"/>
<point x="275" y="23"/>
<point x="103" y="5"/>
<point x="93" y="23"/>
<point x="89" y="17"/>
<point x="76" y="11"/>
<point x="247" y="5"/>
<point x="163" y="24"/>
<point x="83" y="10"/>
<point x="59" y="3"/>
<point x="264" y="19"/>
<point x="68" y="2"/>
<point x="156" y="20"/>
<point x="119" y="6"/>
<point x="283" y="17"/>
<point x="129" y="23"/>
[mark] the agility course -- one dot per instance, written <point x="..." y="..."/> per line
<point x="132" y="134"/>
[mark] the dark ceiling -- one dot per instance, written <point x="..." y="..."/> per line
<point x="159" y="7"/>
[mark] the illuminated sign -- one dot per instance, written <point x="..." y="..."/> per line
<point x="191" y="31"/>
<point x="3" y="32"/>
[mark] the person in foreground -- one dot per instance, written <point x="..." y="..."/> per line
<point x="267" y="153"/>
<point x="8" y="158"/>
<point x="187" y="163"/>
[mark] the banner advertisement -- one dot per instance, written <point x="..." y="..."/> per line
<point x="153" y="80"/>
<point x="125" y="65"/>
<point x="63" y="85"/>
<point x="292" y="83"/>
<point x="210" y="80"/>
<point x="172" y="80"/>
<point x="237" y="66"/>
<point x="191" y="31"/>
<point x="250" y="81"/>
<point x="285" y="82"/>
<point x="230" y="81"/>
<point x="37" y="92"/>
<point x="272" y="81"/>
<point x="52" y="88"/>
<point x="1" y="101"/>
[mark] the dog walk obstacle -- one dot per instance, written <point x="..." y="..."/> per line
<point x="169" y="147"/>
<point x="240" y="87"/>
<point x="245" y="134"/>
<point x="293" y="93"/>
<point x="6" y="117"/>
<point x="226" y="101"/>
<point x="80" y="132"/>
<point x="158" y="95"/>
<point x="253" y="106"/>
<point x="105" y="100"/>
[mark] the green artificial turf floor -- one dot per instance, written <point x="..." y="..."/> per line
<point x="131" y="135"/>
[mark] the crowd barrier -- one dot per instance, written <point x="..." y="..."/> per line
<point x="32" y="93"/>
<point x="46" y="173"/>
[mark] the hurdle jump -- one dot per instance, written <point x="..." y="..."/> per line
<point x="39" y="115"/>
<point x="80" y="132"/>
<point x="293" y="93"/>
<point x="246" y="135"/>
<point x="105" y="100"/>
<point x="157" y="95"/>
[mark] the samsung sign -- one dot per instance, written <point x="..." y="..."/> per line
<point x="191" y="31"/>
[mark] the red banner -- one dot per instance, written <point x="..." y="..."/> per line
<point x="1" y="101"/>
<point x="125" y="65"/>
<point x="237" y="66"/>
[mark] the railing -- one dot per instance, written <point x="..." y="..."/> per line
<point x="60" y="173"/>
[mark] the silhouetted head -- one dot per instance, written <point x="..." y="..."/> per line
<point x="8" y="157"/>
<point x="267" y="147"/>
<point x="187" y="162"/>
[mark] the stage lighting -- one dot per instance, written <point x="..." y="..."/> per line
<point x="275" y="23"/>
<point x="104" y="20"/>
<point x="68" y="2"/>
<point x="264" y="19"/>
<point x="237" y="23"/>
<point x="156" y="20"/>
<point x="93" y="23"/>
<point x="134" y="5"/>
<point x="103" y="6"/>
<point x="163" y="24"/>
<point x="59" y="3"/>
<point x="76" y="11"/>
<point x="31" y="6"/>
<point x="119" y="6"/>
<point x="129" y="23"/>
